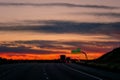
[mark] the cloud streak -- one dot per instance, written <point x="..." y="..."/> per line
<point x="110" y="14"/>
<point x="107" y="14"/>
<point x="58" y="4"/>
<point x="25" y="50"/>
<point x="60" y="27"/>
<point x="48" y="47"/>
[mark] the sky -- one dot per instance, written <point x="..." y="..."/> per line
<point x="37" y="29"/>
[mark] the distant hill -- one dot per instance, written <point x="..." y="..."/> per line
<point x="111" y="57"/>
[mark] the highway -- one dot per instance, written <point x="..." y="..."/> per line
<point x="53" y="71"/>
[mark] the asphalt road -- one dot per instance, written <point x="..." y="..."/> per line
<point x="53" y="71"/>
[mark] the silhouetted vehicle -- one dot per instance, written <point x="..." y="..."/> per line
<point x="62" y="58"/>
<point x="68" y="59"/>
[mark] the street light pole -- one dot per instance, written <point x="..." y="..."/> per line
<point x="85" y="54"/>
<point x="78" y="50"/>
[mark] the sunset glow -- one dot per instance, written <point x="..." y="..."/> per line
<point x="43" y="30"/>
<point x="48" y="56"/>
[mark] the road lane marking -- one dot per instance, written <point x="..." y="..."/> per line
<point x="45" y="74"/>
<point x="90" y="75"/>
<point x="7" y="72"/>
<point x="47" y="78"/>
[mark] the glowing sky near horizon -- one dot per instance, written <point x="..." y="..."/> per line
<point x="38" y="27"/>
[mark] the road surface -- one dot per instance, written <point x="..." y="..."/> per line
<point x="53" y="71"/>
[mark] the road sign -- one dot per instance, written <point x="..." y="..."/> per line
<point x="78" y="50"/>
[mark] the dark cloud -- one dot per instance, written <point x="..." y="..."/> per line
<point x="14" y="49"/>
<point x="58" y="4"/>
<point x="109" y="14"/>
<point x="20" y="47"/>
<point x="110" y="29"/>
<point x="58" y="45"/>
<point x="25" y="50"/>
<point x="94" y="46"/>
<point x="45" y="44"/>
<point x="36" y="42"/>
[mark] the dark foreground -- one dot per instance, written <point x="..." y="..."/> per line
<point x="53" y="71"/>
